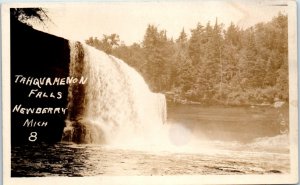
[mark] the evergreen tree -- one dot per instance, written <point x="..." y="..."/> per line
<point x="215" y="65"/>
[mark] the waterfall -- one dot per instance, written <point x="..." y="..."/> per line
<point x="114" y="106"/>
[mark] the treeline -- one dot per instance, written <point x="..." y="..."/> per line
<point x="232" y="66"/>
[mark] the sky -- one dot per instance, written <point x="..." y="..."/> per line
<point x="79" y="21"/>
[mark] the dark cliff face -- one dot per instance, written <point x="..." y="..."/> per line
<point x="37" y="54"/>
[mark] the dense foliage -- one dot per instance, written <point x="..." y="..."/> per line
<point x="214" y="65"/>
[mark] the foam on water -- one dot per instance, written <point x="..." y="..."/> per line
<point x="116" y="108"/>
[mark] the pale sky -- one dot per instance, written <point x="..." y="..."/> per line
<point x="129" y="20"/>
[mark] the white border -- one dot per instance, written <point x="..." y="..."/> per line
<point x="291" y="178"/>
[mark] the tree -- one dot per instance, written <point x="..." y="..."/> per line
<point x="182" y="39"/>
<point x="24" y="14"/>
<point x="215" y="65"/>
<point x="133" y="55"/>
<point x="195" y="44"/>
<point x="157" y="53"/>
<point x="106" y="44"/>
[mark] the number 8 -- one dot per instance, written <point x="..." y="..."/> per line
<point x="32" y="136"/>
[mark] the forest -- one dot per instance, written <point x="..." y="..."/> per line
<point x="214" y="65"/>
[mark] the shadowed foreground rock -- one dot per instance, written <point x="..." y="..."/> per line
<point x="36" y="54"/>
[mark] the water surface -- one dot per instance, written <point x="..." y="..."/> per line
<point x="229" y="140"/>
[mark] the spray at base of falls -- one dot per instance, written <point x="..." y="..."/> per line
<point x="115" y="106"/>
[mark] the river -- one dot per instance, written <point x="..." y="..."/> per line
<point x="225" y="140"/>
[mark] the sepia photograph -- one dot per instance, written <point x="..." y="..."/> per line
<point x="155" y="92"/>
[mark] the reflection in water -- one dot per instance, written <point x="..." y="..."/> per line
<point x="255" y="146"/>
<point x="90" y="160"/>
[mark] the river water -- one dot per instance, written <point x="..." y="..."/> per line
<point x="229" y="140"/>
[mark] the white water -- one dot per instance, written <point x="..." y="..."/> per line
<point x="115" y="106"/>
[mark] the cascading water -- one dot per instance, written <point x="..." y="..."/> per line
<point x="114" y="106"/>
